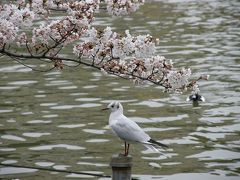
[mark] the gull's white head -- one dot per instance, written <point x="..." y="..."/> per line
<point x="114" y="106"/>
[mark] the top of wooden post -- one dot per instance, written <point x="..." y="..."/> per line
<point x="119" y="160"/>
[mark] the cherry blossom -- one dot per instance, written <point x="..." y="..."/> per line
<point x="38" y="34"/>
<point x="123" y="7"/>
<point x="11" y="19"/>
<point x="106" y="44"/>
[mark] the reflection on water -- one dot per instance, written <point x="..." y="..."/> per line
<point x="93" y="164"/>
<point x="216" y="155"/>
<point x="7" y="149"/>
<point x="80" y="176"/>
<point x="54" y="119"/>
<point x="44" y="164"/>
<point x="50" y="147"/>
<point x="12" y="170"/>
<point x="71" y="125"/>
<point x="12" y="137"/>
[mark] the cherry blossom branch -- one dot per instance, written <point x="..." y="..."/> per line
<point x="123" y="55"/>
<point x="110" y="68"/>
<point x="34" y="69"/>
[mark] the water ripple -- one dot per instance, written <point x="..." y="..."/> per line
<point x="61" y="167"/>
<point x="79" y="176"/>
<point x="48" y="104"/>
<point x="97" y="140"/>
<point x="10" y="161"/>
<point x="211" y="136"/>
<point x="183" y="140"/>
<point x="44" y="164"/>
<point x="203" y="35"/>
<point x="39" y="122"/>
<point x="12" y="170"/>
<point x="169" y="118"/>
<point x="7" y="149"/>
<point x="215" y="119"/>
<point x="225" y="128"/>
<point x="58" y="83"/>
<point x="5" y="110"/>
<point x="151" y="129"/>
<point x="86" y="105"/>
<point x="68" y="87"/>
<point x="71" y="125"/>
<point x="8" y="87"/>
<point x="94" y="131"/>
<point x="21" y="83"/>
<point x="218" y="154"/>
<point x="13" y="137"/>
<point x="35" y="134"/>
<point x="88" y="99"/>
<point x="150" y="104"/>
<point x="50" y="147"/>
<point x="224" y="111"/>
<point x="92" y="164"/>
<point x="154" y="165"/>
<point x="15" y="69"/>
<point x="231" y="165"/>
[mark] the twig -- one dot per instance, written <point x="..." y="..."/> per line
<point x="39" y="70"/>
<point x="53" y="170"/>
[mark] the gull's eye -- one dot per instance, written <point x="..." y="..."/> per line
<point x="117" y="106"/>
<point x="112" y="106"/>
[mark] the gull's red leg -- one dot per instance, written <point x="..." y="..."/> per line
<point x="128" y="145"/>
<point x="125" y="148"/>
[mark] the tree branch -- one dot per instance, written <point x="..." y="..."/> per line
<point x="19" y="57"/>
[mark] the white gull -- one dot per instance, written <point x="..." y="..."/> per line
<point x="128" y="130"/>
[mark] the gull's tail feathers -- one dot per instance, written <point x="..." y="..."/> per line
<point x="152" y="148"/>
<point x="154" y="143"/>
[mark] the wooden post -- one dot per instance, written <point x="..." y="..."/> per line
<point x="121" y="167"/>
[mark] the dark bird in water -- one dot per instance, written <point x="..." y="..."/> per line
<point x="196" y="97"/>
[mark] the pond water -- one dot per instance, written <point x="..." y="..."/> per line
<point x="54" y="120"/>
